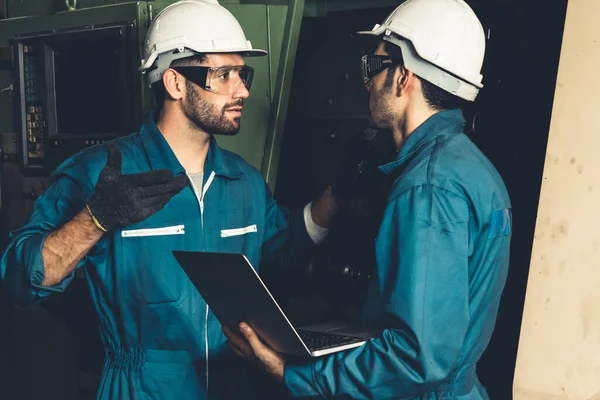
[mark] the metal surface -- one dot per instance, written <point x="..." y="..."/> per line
<point x="320" y="8"/>
<point x="250" y="141"/>
<point x="272" y="148"/>
<point x="20" y="8"/>
<point x="16" y="27"/>
<point x="277" y="19"/>
<point x="10" y="143"/>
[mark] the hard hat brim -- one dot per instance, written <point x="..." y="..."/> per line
<point x="244" y="52"/>
<point x="378" y="30"/>
<point x="251" y="53"/>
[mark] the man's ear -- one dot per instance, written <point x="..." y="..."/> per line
<point x="174" y="84"/>
<point x="404" y="80"/>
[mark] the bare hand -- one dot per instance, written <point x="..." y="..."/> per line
<point x="252" y="349"/>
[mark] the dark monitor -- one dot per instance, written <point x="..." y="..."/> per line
<point x="85" y="83"/>
<point x="88" y="84"/>
<point x="77" y="88"/>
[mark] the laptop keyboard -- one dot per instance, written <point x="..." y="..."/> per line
<point x="321" y="340"/>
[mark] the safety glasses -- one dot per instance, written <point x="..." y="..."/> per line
<point x="219" y="80"/>
<point x="371" y="65"/>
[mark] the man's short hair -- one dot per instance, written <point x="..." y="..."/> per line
<point x="158" y="87"/>
<point x="436" y="97"/>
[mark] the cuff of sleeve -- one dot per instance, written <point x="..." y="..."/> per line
<point x="32" y="252"/>
<point x="316" y="232"/>
<point x="299" y="381"/>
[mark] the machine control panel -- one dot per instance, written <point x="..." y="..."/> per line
<point x="36" y="121"/>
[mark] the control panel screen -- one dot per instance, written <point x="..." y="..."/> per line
<point x="34" y="109"/>
<point x="77" y="88"/>
<point x="87" y="86"/>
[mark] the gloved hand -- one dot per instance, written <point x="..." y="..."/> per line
<point x="341" y="185"/>
<point x="121" y="200"/>
<point x="342" y="176"/>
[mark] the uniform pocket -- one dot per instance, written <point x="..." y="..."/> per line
<point x="149" y="275"/>
<point x="238" y="231"/>
<point x="171" y="384"/>
<point x="171" y="375"/>
<point x="234" y="231"/>
<point x="167" y="230"/>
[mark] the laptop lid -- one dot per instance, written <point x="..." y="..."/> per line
<point x="234" y="291"/>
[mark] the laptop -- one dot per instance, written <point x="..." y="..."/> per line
<point x="235" y="293"/>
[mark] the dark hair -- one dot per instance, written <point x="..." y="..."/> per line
<point x="436" y="97"/>
<point x="158" y="87"/>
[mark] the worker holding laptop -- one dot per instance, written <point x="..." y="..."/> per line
<point x="443" y="246"/>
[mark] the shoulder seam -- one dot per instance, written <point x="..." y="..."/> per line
<point x="397" y="195"/>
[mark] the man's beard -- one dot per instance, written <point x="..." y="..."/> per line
<point x="205" y="115"/>
<point x="380" y="112"/>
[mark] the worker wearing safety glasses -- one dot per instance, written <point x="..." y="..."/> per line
<point x="442" y="249"/>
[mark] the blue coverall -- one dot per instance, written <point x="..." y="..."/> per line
<point x="442" y="255"/>
<point x="161" y="339"/>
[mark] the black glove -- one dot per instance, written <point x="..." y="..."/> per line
<point x="341" y="176"/>
<point x="341" y="184"/>
<point x="121" y="200"/>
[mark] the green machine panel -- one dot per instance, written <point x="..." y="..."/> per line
<point x="274" y="28"/>
<point x="257" y="21"/>
<point x="44" y="47"/>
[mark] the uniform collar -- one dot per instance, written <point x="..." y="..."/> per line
<point x="161" y="155"/>
<point x="438" y="124"/>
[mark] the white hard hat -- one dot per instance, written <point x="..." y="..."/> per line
<point x="188" y="27"/>
<point x="442" y="41"/>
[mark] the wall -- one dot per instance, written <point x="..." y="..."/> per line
<point x="559" y="348"/>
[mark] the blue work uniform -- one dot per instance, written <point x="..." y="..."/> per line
<point x="442" y="254"/>
<point x="161" y="339"/>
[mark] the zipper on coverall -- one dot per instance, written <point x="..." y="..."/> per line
<point x="200" y="198"/>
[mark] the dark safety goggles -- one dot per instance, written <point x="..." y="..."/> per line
<point x="219" y="80"/>
<point x="371" y="65"/>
